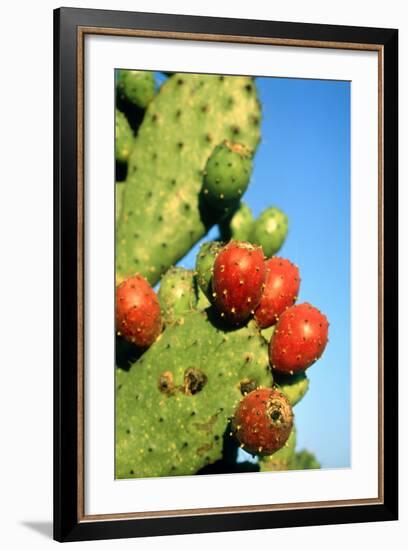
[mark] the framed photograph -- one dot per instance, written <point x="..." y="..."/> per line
<point x="225" y="274"/>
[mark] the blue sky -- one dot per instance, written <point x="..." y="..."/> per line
<point x="303" y="167"/>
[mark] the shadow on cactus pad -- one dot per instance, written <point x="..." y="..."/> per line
<point x="126" y="353"/>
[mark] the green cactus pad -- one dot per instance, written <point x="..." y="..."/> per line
<point x="227" y="174"/>
<point x="204" y="265"/>
<point x="173" y="405"/>
<point x="177" y="293"/>
<point x="120" y="377"/>
<point x="137" y="87"/>
<point x="237" y="225"/>
<point x="164" y="212"/>
<point x="294" y="387"/>
<point x="119" y="188"/>
<point x="124" y="139"/>
<point x="270" y="230"/>
<point x="267" y="333"/>
<point x="202" y="300"/>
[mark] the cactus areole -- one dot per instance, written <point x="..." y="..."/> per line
<point x="238" y="280"/>
<point x="263" y="421"/>
<point x="299" y="339"/>
<point x="138" y="317"/>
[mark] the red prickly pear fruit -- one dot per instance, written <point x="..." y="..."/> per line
<point x="299" y="339"/>
<point x="238" y="280"/>
<point x="281" y="290"/>
<point x="263" y="421"/>
<point x="138" y="316"/>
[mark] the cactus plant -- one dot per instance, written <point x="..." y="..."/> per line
<point x="163" y="211"/>
<point x="170" y="416"/>
<point x="175" y="402"/>
<point x="200" y="370"/>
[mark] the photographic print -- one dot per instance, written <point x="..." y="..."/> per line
<point x="232" y="268"/>
<point x="225" y="222"/>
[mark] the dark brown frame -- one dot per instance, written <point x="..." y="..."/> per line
<point x="71" y="26"/>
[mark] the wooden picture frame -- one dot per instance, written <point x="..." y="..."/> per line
<point x="70" y="27"/>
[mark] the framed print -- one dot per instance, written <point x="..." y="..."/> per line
<point x="225" y="274"/>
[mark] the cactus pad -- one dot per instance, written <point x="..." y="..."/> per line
<point x="227" y="174"/>
<point x="237" y="225"/>
<point x="123" y="137"/>
<point x="136" y="87"/>
<point x="173" y="406"/>
<point x="294" y="387"/>
<point x="164" y="213"/>
<point x="270" y="230"/>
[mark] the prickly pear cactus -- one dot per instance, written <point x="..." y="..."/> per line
<point x="184" y="160"/>
<point x="164" y="212"/>
<point x="173" y="406"/>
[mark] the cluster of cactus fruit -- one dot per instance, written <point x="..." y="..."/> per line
<point x="216" y="359"/>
